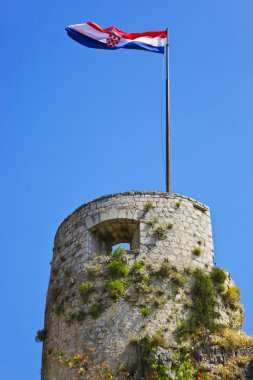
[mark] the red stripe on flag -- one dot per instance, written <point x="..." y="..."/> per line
<point x="129" y="36"/>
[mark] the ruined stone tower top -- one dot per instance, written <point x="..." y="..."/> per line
<point x="107" y="302"/>
<point x="172" y="225"/>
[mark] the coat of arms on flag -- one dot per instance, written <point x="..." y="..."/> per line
<point x="113" y="39"/>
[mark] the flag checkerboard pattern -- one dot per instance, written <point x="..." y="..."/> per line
<point x="112" y="40"/>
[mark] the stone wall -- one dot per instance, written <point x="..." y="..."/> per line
<point x="190" y="219"/>
<point x="161" y="228"/>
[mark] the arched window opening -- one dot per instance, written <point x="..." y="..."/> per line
<point x="108" y="235"/>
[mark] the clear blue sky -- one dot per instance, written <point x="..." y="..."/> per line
<point x="78" y="123"/>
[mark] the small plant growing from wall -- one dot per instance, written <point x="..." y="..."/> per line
<point x="121" y="368"/>
<point x="219" y="277"/>
<point x="139" y="273"/>
<point x="178" y="204"/>
<point x="148" y="206"/>
<point x="118" y="269"/>
<point x="116" y="289"/>
<point x="142" y="277"/>
<point x="189" y="270"/>
<point x="137" y="266"/>
<point x="160" y="292"/>
<point x="197" y="251"/>
<point x="81" y="364"/>
<point x="165" y="269"/>
<point x="186" y="372"/>
<point x="152" y="222"/>
<point x="93" y="270"/>
<point x="85" y="288"/>
<point x="178" y="279"/>
<point x="169" y="226"/>
<point x="230" y="338"/>
<point x="145" y="311"/>
<point x="160" y="232"/>
<point x="144" y="288"/>
<point x="95" y="310"/>
<point x="41" y="335"/>
<point x="188" y="304"/>
<point x="232" y="297"/>
<point x="159" y="302"/>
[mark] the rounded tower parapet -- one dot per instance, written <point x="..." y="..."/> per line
<point x="169" y="225"/>
<point x="102" y="301"/>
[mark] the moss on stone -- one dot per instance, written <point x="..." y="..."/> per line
<point x="118" y="269"/>
<point x="115" y="288"/>
<point x="145" y="311"/>
<point x="197" y="251"/>
<point x="85" y="288"/>
<point x="95" y="310"/>
<point x="138" y="265"/>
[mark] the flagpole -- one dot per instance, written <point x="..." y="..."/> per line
<point x="168" y="188"/>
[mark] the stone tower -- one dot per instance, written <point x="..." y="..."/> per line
<point x="118" y="315"/>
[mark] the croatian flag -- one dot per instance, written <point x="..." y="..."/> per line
<point x="91" y="35"/>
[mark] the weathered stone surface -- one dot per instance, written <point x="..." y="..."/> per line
<point x="169" y="230"/>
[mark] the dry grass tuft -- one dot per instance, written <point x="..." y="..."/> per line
<point x="235" y="339"/>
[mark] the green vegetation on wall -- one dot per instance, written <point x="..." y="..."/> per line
<point x="118" y="269"/>
<point x="204" y="306"/>
<point x="115" y="288"/>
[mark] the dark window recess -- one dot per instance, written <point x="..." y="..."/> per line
<point x="108" y="235"/>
